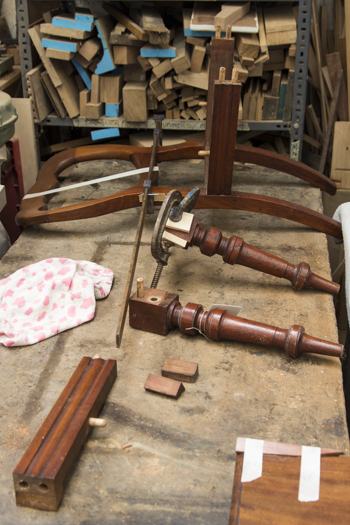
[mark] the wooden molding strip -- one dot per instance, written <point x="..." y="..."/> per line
<point x="40" y="474"/>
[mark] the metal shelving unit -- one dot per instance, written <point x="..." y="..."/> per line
<point x="295" y="126"/>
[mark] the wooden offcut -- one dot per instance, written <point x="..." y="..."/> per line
<point x="340" y="170"/>
<point x="180" y="370"/>
<point x="41" y="102"/>
<point x="111" y="88"/>
<point x="125" y="55"/>
<point x="165" y="386"/>
<point x="230" y="14"/>
<point x="248" y="45"/>
<point x="135" y="101"/>
<point x="280" y="26"/>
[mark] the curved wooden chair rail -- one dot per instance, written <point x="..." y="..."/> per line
<point x="34" y="211"/>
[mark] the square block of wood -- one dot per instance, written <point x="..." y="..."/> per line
<point x="180" y="370"/>
<point x="165" y="386"/>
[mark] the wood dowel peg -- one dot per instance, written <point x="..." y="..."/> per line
<point x="222" y="74"/>
<point x="140" y="289"/>
<point x="97" y="422"/>
<point x="204" y="153"/>
<point x="218" y="32"/>
<point x="96" y="356"/>
<point x="234" y="77"/>
<point x="203" y="104"/>
<point x="228" y="31"/>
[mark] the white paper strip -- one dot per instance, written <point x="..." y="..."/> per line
<point x="310" y="473"/>
<point x="88" y="182"/>
<point x="252" y="460"/>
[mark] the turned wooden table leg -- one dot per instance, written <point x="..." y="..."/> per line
<point x="236" y="251"/>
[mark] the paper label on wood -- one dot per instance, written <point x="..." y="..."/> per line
<point x="253" y="460"/>
<point x="310" y="473"/>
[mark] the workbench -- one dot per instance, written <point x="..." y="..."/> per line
<point x="181" y="464"/>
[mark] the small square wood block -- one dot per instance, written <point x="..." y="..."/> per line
<point x="180" y="370"/>
<point x="163" y="385"/>
<point x="150" y="311"/>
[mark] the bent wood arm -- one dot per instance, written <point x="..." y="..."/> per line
<point x="274" y="161"/>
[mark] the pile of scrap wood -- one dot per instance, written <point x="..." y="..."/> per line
<point x="136" y="61"/>
<point x="328" y="76"/>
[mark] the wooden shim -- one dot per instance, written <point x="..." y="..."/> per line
<point x="135" y="101"/>
<point x="332" y="117"/>
<point x="165" y="386"/>
<point x="334" y="65"/>
<point x="104" y="27"/>
<point x="230" y="13"/>
<point x="182" y="61"/>
<point x="180" y="370"/>
<point x="41" y="101"/>
<point x="111" y="88"/>
<point x="288" y="103"/>
<point x="51" y="453"/>
<point x="49" y="29"/>
<point x="53" y="95"/>
<point x="197" y="58"/>
<point x="262" y="34"/>
<point x="127" y="22"/>
<point x="124" y="55"/>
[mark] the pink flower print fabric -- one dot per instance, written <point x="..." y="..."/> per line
<point x="48" y="297"/>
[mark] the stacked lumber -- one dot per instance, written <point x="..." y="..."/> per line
<point x="327" y="67"/>
<point x="147" y="60"/>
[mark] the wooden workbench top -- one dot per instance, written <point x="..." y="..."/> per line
<point x="180" y="466"/>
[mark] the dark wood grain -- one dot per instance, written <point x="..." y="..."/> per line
<point x="223" y="138"/>
<point x="235" y="250"/>
<point x="180" y="370"/>
<point x="40" y="474"/>
<point x="164" y="386"/>
<point x="217" y="324"/>
<point x="273" y="498"/>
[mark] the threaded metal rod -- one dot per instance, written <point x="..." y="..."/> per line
<point x="157" y="275"/>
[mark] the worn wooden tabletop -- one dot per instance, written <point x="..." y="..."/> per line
<point x="180" y="466"/>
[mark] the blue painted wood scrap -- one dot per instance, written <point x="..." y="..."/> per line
<point x="70" y="23"/>
<point x="62" y="45"/>
<point x="150" y="51"/>
<point x="105" y="133"/>
<point x="106" y="63"/>
<point x="84" y="17"/>
<point x="114" y="110"/>
<point x="83" y="73"/>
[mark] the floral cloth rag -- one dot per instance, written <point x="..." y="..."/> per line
<point x="48" y="297"/>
